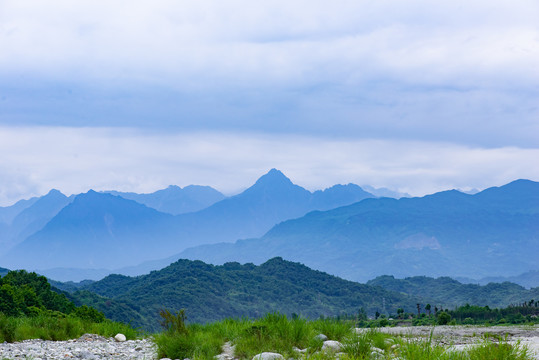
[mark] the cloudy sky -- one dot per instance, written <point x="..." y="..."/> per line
<point x="417" y="96"/>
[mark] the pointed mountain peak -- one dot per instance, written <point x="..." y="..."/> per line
<point x="273" y="177"/>
<point x="55" y="193"/>
<point x="94" y="195"/>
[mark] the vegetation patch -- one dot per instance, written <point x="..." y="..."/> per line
<point x="294" y="337"/>
<point x="30" y="309"/>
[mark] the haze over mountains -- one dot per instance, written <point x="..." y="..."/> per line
<point x="342" y="230"/>
<point x="175" y="200"/>
<point x="492" y="233"/>
<point x="100" y="230"/>
<point x="29" y="216"/>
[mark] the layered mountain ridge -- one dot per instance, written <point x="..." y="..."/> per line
<point x="101" y="230"/>
<point x="491" y="233"/>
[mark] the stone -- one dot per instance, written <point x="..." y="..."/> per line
<point x="332" y="346"/>
<point x="268" y="356"/>
<point x="88" y="347"/>
<point x="321" y="337"/>
<point x="223" y="357"/>
<point x="120" y="338"/>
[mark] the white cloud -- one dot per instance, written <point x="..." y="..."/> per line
<point x="415" y="73"/>
<point x="207" y="44"/>
<point x="35" y="160"/>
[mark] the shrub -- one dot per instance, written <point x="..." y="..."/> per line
<point x="443" y="318"/>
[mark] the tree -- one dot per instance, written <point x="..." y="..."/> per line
<point x="427" y="307"/>
<point x="8" y="304"/>
<point x="418" y="310"/>
<point x="443" y="318"/>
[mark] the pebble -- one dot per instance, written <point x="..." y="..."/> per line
<point x="89" y="347"/>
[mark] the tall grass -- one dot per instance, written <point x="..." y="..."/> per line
<point x="500" y="349"/>
<point x="277" y="333"/>
<point x="50" y="327"/>
<point x="274" y="333"/>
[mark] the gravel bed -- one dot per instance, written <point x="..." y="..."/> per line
<point x="89" y="347"/>
<point x="459" y="337"/>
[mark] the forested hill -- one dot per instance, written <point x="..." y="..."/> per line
<point x="449" y="292"/>
<point x="209" y="292"/>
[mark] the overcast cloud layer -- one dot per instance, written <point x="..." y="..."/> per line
<point x="79" y="159"/>
<point x="428" y="95"/>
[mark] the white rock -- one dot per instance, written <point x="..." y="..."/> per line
<point x="223" y="357"/>
<point x="321" y="337"/>
<point x="268" y="356"/>
<point x="332" y="345"/>
<point x="120" y="338"/>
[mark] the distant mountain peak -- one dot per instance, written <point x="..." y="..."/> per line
<point x="273" y="177"/>
<point x="53" y="194"/>
<point x="94" y="196"/>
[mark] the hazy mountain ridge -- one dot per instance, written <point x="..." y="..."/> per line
<point x="8" y="213"/>
<point x="447" y="233"/>
<point x="176" y="200"/>
<point x="100" y="230"/>
<point x="32" y="217"/>
<point x="95" y="230"/>
<point x="448" y="292"/>
<point x="529" y="279"/>
<point x="3" y="271"/>
<point x="272" y="199"/>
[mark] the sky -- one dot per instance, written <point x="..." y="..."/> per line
<point x="416" y="96"/>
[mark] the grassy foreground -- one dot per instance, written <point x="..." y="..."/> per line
<point x="277" y="333"/>
<point x="48" y="326"/>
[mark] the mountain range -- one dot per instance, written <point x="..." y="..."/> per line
<point x="176" y="200"/>
<point x="492" y="233"/>
<point x="529" y="279"/>
<point x="106" y="231"/>
<point x="450" y="293"/>
<point x="342" y="230"/>
<point x="29" y="216"/>
<point x="210" y="293"/>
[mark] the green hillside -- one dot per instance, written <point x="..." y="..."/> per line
<point x="209" y="293"/>
<point x="448" y="292"/>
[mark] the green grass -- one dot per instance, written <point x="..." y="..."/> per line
<point x="500" y="350"/>
<point x="277" y="333"/>
<point x="57" y="327"/>
<point x="272" y="333"/>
